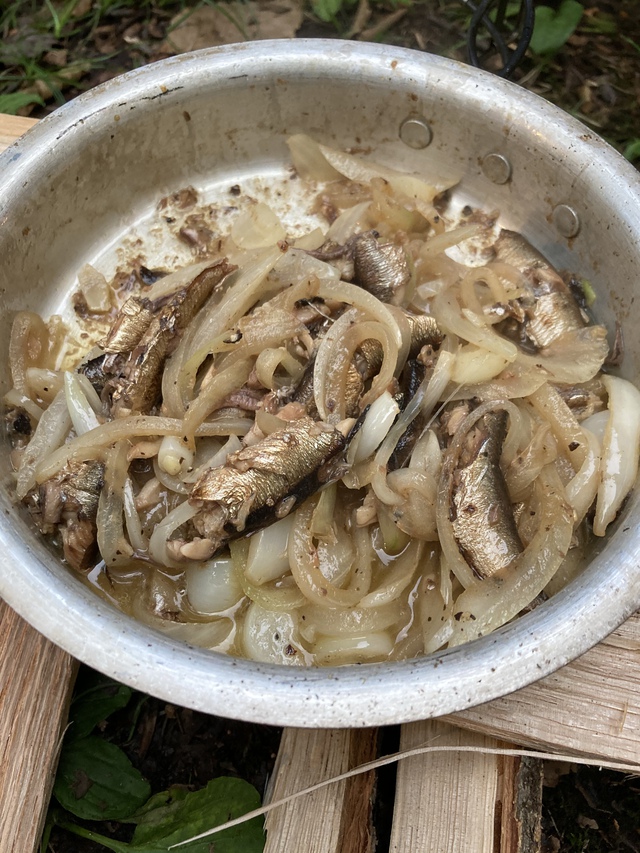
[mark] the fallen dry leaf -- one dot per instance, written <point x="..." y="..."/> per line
<point x="227" y="23"/>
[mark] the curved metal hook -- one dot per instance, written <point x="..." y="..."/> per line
<point x="480" y="18"/>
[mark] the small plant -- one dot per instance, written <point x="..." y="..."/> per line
<point x="97" y="782"/>
<point x="553" y="28"/>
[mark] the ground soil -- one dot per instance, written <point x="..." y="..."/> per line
<point x="596" y="77"/>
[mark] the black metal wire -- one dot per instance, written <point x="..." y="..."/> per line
<point x="500" y="34"/>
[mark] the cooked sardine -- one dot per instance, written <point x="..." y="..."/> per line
<point x="265" y="481"/>
<point x="380" y="268"/>
<point x="138" y="387"/>
<point x="550" y="308"/>
<point x="482" y="518"/>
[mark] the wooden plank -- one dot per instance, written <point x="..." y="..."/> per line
<point x="591" y="706"/>
<point x="471" y="802"/>
<point x="334" y="819"/>
<point x="36" y="679"/>
<point x="11" y="127"/>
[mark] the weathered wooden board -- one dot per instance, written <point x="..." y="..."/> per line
<point x="471" y="802"/>
<point x="36" y="679"/>
<point x="334" y="819"/>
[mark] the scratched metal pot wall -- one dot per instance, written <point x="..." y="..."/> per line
<point x="92" y="174"/>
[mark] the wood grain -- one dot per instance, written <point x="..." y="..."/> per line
<point x="11" y="127"/>
<point x="591" y="706"/>
<point x="335" y="819"/>
<point x="36" y="679"/>
<point x="466" y="802"/>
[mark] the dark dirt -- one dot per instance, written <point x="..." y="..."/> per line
<point x="596" y="77"/>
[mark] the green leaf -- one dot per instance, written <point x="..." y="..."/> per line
<point x="552" y="28"/>
<point x="178" y="816"/>
<point x="326" y="10"/>
<point x="96" y="781"/>
<point x="11" y="103"/>
<point x="632" y="151"/>
<point x="98" y="698"/>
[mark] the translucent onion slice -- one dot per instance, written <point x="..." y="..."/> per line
<point x="271" y="637"/>
<point x="466" y="325"/>
<point x="377" y="423"/>
<point x="53" y="427"/>
<point x="114" y="547"/>
<point x="92" y="444"/>
<point x="93" y="286"/>
<point x="308" y="159"/>
<point x="475" y="364"/>
<point x="213" y="587"/>
<point x="306" y="571"/>
<point x="267" y="559"/>
<point x="17" y="399"/>
<point x="397" y="578"/>
<point x="82" y="415"/>
<point x="362" y="171"/>
<point x="258" y="227"/>
<point x="377" y="645"/>
<point x="620" y="451"/>
<point x="582" y="489"/>
<point x="162" y="533"/>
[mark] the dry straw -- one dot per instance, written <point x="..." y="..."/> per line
<point x="410" y="753"/>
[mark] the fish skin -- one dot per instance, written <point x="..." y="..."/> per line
<point x="133" y="320"/>
<point x="138" y="388"/>
<point x="482" y="519"/>
<point x="248" y="490"/>
<point x="380" y="268"/>
<point x="551" y="309"/>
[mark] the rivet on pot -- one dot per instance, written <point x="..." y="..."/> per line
<point x="566" y="220"/>
<point x="415" y="132"/>
<point x="497" y="168"/>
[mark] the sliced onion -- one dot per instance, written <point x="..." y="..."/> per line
<point x="113" y="545"/>
<point x="271" y="637"/>
<point x="173" y="457"/>
<point x="258" y="227"/>
<point x="377" y="423"/>
<point x="213" y="587"/>
<point x="162" y="533"/>
<point x="351" y="221"/>
<point x="93" y="286"/>
<point x="268" y="558"/>
<point x="467" y="326"/>
<point x="91" y="445"/>
<point x="17" y="399"/>
<point x="476" y="364"/>
<point x="52" y="429"/>
<point x="308" y="159"/>
<point x="620" y="451"/>
<point x="82" y="415"/>
<point x="377" y="645"/>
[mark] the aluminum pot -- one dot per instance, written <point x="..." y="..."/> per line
<point x="88" y="178"/>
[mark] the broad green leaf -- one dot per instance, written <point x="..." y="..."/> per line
<point x="326" y="10"/>
<point x="177" y="819"/>
<point x="632" y="151"/>
<point x="553" y="28"/>
<point x="96" y="781"/>
<point x="10" y="104"/>
<point x="96" y="699"/>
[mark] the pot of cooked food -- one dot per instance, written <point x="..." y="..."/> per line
<point x="320" y="383"/>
